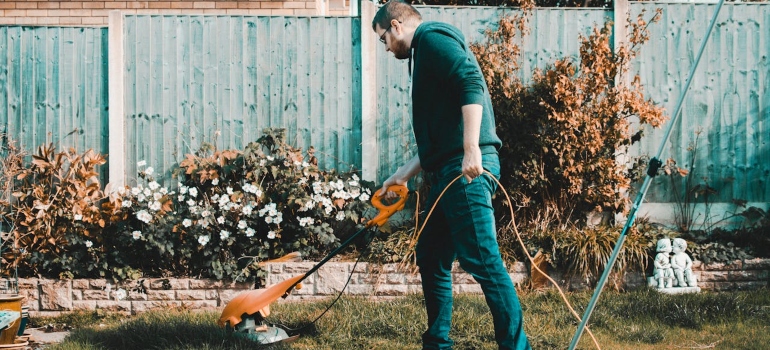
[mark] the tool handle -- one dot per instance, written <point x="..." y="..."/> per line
<point x="387" y="210"/>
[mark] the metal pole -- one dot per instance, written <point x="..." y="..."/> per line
<point x="651" y="172"/>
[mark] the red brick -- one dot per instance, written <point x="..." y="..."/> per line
<point x="93" y="5"/>
<point x="15" y="13"/>
<point x="227" y="5"/>
<point x="115" y="5"/>
<point x="71" y="5"/>
<point x="181" y="5"/>
<point x="204" y="5"/>
<point x="7" y="5"/>
<point x="272" y="5"/>
<point x="159" y="5"/>
<point x="69" y="20"/>
<point x="249" y="5"/>
<point x="37" y="13"/>
<point x="137" y="5"/>
<point x="294" y="5"/>
<point x="80" y="13"/>
<point x="48" y="5"/>
<point x="26" y="5"/>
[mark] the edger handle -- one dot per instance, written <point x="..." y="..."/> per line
<point x="387" y="210"/>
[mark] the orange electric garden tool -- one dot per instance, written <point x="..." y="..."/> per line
<point x="246" y="312"/>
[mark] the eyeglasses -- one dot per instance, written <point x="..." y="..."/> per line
<point x="382" y="37"/>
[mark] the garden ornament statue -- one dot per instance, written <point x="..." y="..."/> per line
<point x="682" y="265"/>
<point x="673" y="274"/>
<point x="663" y="274"/>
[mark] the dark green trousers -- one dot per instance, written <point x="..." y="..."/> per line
<point x="463" y="227"/>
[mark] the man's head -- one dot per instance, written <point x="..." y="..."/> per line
<point x="395" y="23"/>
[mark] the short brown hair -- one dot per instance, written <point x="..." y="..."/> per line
<point x="395" y="9"/>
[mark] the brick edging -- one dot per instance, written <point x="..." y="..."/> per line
<point x="46" y="297"/>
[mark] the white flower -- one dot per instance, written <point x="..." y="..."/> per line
<point x="353" y="183"/>
<point x="242" y="224"/>
<point x="247" y="209"/>
<point x="78" y="217"/>
<point x="278" y="219"/>
<point x="157" y="196"/>
<point x="224" y="234"/>
<point x="147" y="192"/>
<point x="136" y="191"/>
<point x="270" y="158"/>
<point x="202" y="240"/>
<point x="340" y="216"/>
<point x="153" y="185"/>
<point x="163" y="190"/>
<point x="355" y="177"/>
<point x="215" y="182"/>
<point x="149" y="170"/>
<point x="215" y="197"/>
<point x="140" y="197"/>
<point x="136" y="234"/>
<point x="364" y="197"/>
<point x="190" y="203"/>
<point x="182" y="189"/>
<point x="269" y="219"/>
<point x="120" y="294"/>
<point x="181" y="198"/>
<point x="193" y="192"/>
<point x="126" y="204"/>
<point x="271" y="235"/>
<point x="262" y="162"/>
<point x="141" y="163"/>
<point x="155" y="206"/>
<point x="205" y="213"/>
<point x="186" y="222"/>
<point x="229" y="190"/>
<point x="221" y="220"/>
<point x="250" y="232"/>
<point x="89" y="244"/>
<point x="144" y="216"/>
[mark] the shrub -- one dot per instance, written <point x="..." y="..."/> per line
<point x="55" y="214"/>
<point x="234" y="208"/>
<point x="562" y="134"/>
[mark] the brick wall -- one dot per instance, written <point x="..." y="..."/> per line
<point x="95" y="13"/>
<point x="52" y="297"/>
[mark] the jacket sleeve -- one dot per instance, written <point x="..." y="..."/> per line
<point x="448" y="59"/>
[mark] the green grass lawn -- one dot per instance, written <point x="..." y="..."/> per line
<point x="642" y="319"/>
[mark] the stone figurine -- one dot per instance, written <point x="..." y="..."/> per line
<point x="663" y="274"/>
<point x="682" y="265"/>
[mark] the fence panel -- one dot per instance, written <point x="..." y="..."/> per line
<point x="223" y="79"/>
<point x="53" y="87"/>
<point x="727" y="109"/>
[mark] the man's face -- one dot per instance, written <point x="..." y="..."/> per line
<point x="393" y="39"/>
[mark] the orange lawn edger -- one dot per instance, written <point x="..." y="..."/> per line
<point x="246" y="313"/>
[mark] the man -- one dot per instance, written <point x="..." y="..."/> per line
<point x="455" y="131"/>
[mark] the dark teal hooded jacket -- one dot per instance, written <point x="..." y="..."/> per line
<point x="445" y="77"/>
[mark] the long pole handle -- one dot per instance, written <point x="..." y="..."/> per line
<point x="651" y="172"/>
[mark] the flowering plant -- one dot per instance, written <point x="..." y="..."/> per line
<point x="234" y="208"/>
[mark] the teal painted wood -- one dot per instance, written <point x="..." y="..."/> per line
<point x="728" y="106"/>
<point x="53" y="87"/>
<point x="554" y="35"/>
<point x="223" y="79"/>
